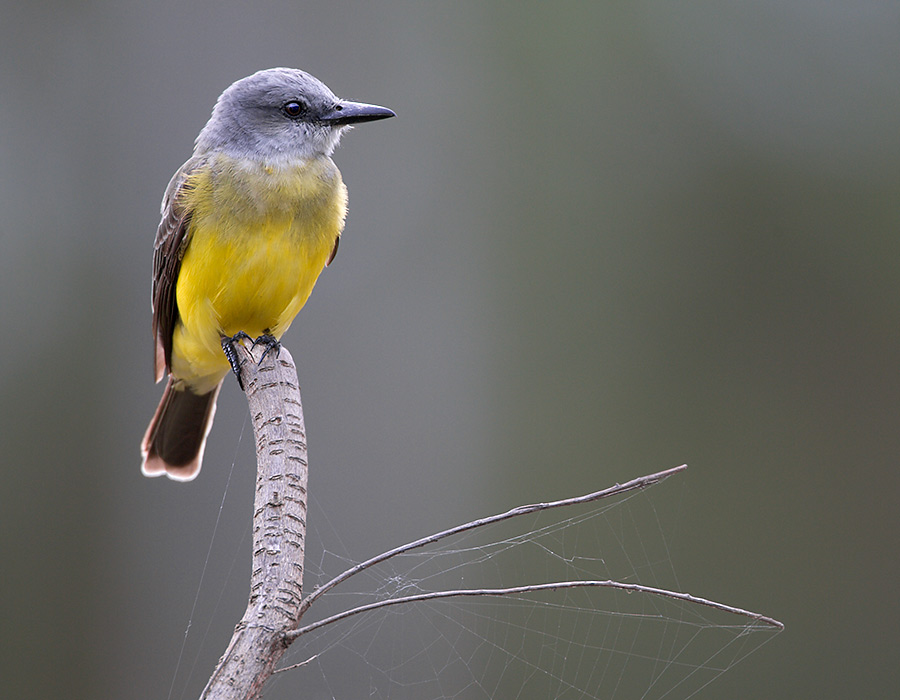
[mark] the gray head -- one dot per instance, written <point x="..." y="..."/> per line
<point x="281" y="113"/>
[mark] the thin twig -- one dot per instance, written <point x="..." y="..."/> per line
<point x="299" y="664"/>
<point x="533" y="588"/>
<point x="639" y="483"/>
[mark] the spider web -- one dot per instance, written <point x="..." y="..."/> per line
<point x="572" y="643"/>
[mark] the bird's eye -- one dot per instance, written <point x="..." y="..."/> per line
<point x="293" y="109"/>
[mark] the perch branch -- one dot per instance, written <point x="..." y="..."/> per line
<point x="279" y="526"/>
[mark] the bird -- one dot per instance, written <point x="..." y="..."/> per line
<point x="247" y="225"/>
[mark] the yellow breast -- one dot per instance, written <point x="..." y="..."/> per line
<point x="258" y="239"/>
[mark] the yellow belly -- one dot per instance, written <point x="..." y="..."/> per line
<point x="257" y="242"/>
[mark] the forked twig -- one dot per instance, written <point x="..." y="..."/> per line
<point x="634" y="484"/>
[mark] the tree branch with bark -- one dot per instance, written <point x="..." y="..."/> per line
<point x="276" y="605"/>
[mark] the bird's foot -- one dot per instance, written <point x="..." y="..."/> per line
<point x="271" y="343"/>
<point x="231" y="354"/>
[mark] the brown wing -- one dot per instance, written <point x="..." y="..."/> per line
<point x="168" y="250"/>
<point x="331" y="257"/>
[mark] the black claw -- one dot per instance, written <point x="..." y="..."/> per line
<point x="231" y="354"/>
<point x="271" y="343"/>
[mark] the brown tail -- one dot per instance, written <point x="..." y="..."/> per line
<point x="174" y="441"/>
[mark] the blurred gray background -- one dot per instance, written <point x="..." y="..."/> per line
<point x="600" y="239"/>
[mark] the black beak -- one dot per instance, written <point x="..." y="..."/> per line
<point x="344" y="113"/>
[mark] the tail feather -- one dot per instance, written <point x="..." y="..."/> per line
<point x="176" y="437"/>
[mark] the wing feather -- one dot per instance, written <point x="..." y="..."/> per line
<point x="168" y="250"/>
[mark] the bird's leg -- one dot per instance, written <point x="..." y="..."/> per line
<point x="231" y="353"/>
<point x="271" y="343"/>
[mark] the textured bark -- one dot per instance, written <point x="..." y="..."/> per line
<point x="279" y="527"/>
